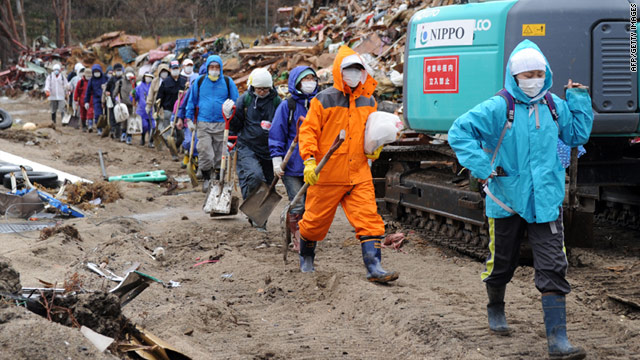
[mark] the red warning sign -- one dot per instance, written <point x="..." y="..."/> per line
<point x="441" y="74"/>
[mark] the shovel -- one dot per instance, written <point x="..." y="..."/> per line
<point x="190" y="170"/>
<point x="260" y="204"/>
<point x="171" y="141"/>
<point x="219" y="199"/>
<point x="67" y="116"/>
<point x="336" y="144"/>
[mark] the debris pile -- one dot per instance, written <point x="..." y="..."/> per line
<point x="69" y="232"/>
<point x="88" y="195"/>
<point x="304" y="35"/>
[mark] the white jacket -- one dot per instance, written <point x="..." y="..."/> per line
<point x="56" y="86"/>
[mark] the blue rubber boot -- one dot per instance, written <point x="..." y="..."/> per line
<point x="371" y="255"/>
<point x="307" y="254"/>
<point x="495" y="310"/>
<point x="555" y="321"/>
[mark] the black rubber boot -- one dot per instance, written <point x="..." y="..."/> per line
<point x="555" y="322"/>
<point x="53" y="120"/>
<point x="142" y="139"/>
<point x="495" y="310"/>
<point x="206" y="176"/>
<point x="307" y="255"/>
<point x="371" y="255"/>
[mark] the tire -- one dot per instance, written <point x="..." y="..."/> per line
<point x="5" y="120"/>
<point x="6" y="169"/>
<point x="46" y="179"/>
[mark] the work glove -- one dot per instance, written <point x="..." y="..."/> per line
<point x="190" y="125"/>
<point x="47" y="93"/>
<point x="227" y="108"/>
<point x="277" y="166"/>
<point x="310" y="176"/>
<point x="376" y="153"/>
<point x="147" y="109"/>
<point x="179" y="124"/>
<point x="86" y="106"/>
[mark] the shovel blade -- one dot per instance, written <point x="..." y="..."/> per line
<point x="74" y="122"/>
<point x="65" y="119"/>
<point x="218" y="199"/>
<point x="257" y="207"/>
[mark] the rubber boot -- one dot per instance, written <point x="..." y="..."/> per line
<point x="151" y="146"/>
<point x="294" y="229"/>
<point x="307" y="255"/>
<point x="84" y="126"/>
<point x="90" y="125"/>
<point x="206" y="176"/>
<point x="371" y="255"/>
<point x="53" y="120"/>
<point x="555" y="321"/>
<point x="495" y="310"/>
<point x="143" y="139"/>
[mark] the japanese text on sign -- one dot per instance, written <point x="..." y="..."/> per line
<point x="441" y="74"/>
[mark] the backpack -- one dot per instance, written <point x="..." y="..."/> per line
<point x="226" y="80"/>
<point x="511" y="110"/>
<point x="246" y="101"/>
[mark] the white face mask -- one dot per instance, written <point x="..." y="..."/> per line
<point x="188" y="70"/>
<point x="56" y="72"/>
<point x="352" y="77"/>
<point x="308" y="87"/>
<point x="214" y="74"/>
<point x="147" y="79"/>
<point x="118" y="73"/>
<point x="164" y="75"/>
<point x="531" y="87"/>
<point x="175" y="72"/>
<point x="87" y="75"/>
<point x="96" y="74"/>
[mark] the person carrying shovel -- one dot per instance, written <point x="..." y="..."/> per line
<point x="303" y="86"/>
<point x="346" y="178"/>
<point x="211" y="95"/>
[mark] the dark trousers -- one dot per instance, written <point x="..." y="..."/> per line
<point x="549" y="257"/>
<point x="252" y="170"/>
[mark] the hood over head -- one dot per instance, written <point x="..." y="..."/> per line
<point x="528" y="59"/>
<point x="162" y="67"/>
<point x="96" y="67"/>
<point x="366" y="87"/>
<point x="295" y="76"/>
<point x="217" y="59"/>
<point x="78" y="67"/>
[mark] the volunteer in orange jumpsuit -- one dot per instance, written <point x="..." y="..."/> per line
<point x="346" y="178"/>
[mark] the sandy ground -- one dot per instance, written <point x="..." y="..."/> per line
<point x="251" y="305"/>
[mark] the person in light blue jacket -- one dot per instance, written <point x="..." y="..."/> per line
<point x="210" y="91"/>
<point x="516" y="160"/>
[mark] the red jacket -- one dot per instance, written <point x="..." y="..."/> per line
<point x="78" y="96"/>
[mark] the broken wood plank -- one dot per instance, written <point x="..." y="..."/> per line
<point x="624" y="300"/>
<point x="273" y="50"/>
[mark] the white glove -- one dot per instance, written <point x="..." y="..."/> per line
<point x="227" y="108"/>
<point x="190" y="125"/>
<point x="74" y="106"/>
<point x="86" y="106"/>
<point x="277" y="166"/>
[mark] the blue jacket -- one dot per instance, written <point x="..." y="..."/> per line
<point x="94" y="88"/>
<point x="142" y="90"/>
<point x="182" y="110"/>
<point x="208" y="97"/>
<point x="534" y="183"/>
<point x="282" y="133"/>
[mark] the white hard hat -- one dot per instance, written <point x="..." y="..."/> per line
<point x="56" y="67"/>
<point x="261" y="78"/>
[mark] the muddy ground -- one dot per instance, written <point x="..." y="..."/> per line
<point x="251" y="305"/>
